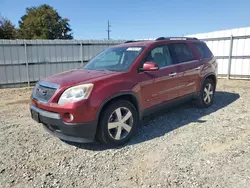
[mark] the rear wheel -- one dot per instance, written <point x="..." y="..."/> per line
<point x="117" y="123"/>
<point x="206" y="95"/>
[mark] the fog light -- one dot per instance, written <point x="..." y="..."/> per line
<point x="68" y="117"/>
<point x="71" y="117"/>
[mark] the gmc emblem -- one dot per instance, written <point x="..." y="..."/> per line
<point x="41" y="91"/>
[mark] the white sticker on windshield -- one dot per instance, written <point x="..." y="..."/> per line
<point x="134" y="49"/>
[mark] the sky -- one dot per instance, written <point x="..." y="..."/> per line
<point x="137" y="19"/>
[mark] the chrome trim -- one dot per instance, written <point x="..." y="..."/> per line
<point x="49" y="85"/>
<point x="168" y="90"/>
<point x="45" y="113"/>
<point x="173" y="65"/>
<point x="44" y="84"/>
<point x="172" y="74"/>
<point x="183" y="63"/>
<point x="40" y="100"/>
<point x="190" y="84"/>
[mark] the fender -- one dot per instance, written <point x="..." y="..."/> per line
<point x="209" y="74"/>
<point x="205" y="77"/>
<point x="119" y="95"/>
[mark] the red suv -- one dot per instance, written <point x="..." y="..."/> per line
<point x="106" y="99"/>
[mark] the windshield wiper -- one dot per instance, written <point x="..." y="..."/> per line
<point x="101" y="69"/>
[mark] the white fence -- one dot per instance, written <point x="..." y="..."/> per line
<point x="26" y="61"/>
<point x="233" y="54"/>
<point x="232" y="48"/>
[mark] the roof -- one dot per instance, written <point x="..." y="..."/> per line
<point x="136" y="43"/>
<point x="156" y="41"/>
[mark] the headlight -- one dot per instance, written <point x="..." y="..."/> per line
<point x="75" y="93"/>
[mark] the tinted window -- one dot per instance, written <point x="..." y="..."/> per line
<point x="161" y="56"/>
<point x="181" y="52"/>
<point x="203" y="50"/>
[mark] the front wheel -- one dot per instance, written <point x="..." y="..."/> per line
<point x="117" y="123"/>
<point x="206" y="95"/>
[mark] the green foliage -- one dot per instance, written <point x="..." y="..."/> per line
<point x="7" y="29"/>
<point x="44" y="22"/>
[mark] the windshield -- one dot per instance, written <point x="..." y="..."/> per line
<point x="114" y="59"/>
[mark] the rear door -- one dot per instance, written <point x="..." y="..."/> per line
<point x="188" y="67"/>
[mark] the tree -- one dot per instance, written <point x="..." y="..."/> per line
<point x="7" y="29"/>
<point x="44" y="22"/>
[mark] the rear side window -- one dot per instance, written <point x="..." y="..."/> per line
<point x="203" y="50"/>
<point x="181" y="52"/>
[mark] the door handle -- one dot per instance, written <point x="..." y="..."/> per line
<point x="197" y="68"/>
<point x="172" y="74"/>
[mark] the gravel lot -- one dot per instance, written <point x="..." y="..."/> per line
<point x="181" y="147"/>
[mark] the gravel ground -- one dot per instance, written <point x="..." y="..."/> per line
<point x="181" y="147"/>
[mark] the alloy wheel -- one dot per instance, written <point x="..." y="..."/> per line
<point x="208" y="93"/>
<point x="120" y="123"/>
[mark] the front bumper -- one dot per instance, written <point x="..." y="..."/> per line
<point x="52" y="122"/>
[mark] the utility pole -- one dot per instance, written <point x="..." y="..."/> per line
<point x="108" y="30"/>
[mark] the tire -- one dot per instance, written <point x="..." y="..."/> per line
<point x="206" y="95"/>
<point x="111" y="129"/>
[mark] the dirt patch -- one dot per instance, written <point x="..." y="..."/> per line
<point x="23" y="101"/>
<point x="183" y="147"/>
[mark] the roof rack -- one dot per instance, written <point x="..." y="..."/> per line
<point x="176" y="38"/>
<point x="129" y="41"/>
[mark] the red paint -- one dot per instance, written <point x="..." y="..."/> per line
<point x="150" y="66"/>
<point x="151" y="86"/>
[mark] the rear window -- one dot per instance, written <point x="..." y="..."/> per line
<point x="203" y="50"/>
<point x="181" y="52"/>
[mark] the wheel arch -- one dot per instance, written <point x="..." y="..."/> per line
<point x="130" y="96"/>
<point x="211" y="76"/>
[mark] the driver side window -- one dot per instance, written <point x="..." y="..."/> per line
<point x="161" y="56"/>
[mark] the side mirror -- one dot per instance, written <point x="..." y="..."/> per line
<point x="149" y="66"/>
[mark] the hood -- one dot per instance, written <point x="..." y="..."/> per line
<point x="76" y="76"/>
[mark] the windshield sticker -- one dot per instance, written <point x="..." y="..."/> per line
<point x="134" y="49"/>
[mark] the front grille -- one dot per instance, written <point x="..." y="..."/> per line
<point x="42" y="93"/>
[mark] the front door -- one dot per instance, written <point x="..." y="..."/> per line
<point x="163" y="84"/>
